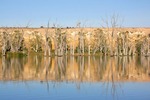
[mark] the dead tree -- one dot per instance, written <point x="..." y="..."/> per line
<point x="123" y="43"/>
<point x="72" y="41"/>
<point x="36" y="41"/>
<point x="100" y="41"/>
<point x="59" y="42"/>
<point x="48" y="42"/>
<point x="5" y="43"/>
<point x="88" y="36"/>
<point x="81" y="40"/>
<point x="112" y="27"/>
<point x="17" y="41"/>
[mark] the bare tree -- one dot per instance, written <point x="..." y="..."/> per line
<point x="17" y="41"/>
<point x="145" y="46"/>
<point x="112" y="27"/>
<point x="81" y="40"/>
<point x="36" y="41"/>
<point x="123" y="43"/>
<point x="88" y="36"/>
<point x="60" y="42"/>
<point x="100" y="41"/>
<point x="72" y="42"/>
<point x="48" y="42"/>
<point x="5" y="42"/>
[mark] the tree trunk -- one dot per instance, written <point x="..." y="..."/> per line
<point x="89" y="50"/>
<point x="55" y="44"/>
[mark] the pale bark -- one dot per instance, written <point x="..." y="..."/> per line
<point x="5" y="43"/>
<point x="48" y="43"/>
<point x="81" y="43"/>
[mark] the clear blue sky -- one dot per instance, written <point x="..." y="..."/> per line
<point x="136" y="13"/>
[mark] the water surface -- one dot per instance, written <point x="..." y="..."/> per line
<point x="68" y="77"/>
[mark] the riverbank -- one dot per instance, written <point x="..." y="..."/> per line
<point x="76" y="41"/>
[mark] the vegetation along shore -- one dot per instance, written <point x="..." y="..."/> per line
<point x="75" y="41"/>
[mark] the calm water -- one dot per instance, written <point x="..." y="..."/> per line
<point x="77" y="78"/>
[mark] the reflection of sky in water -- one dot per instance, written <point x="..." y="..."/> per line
<point x="34" y="90"/>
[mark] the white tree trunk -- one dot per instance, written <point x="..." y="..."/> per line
<point x="89" y="50"/>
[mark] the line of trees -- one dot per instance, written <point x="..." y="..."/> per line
<point x="61" y="42"/>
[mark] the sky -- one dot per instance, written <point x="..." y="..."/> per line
<point x="36" y="13"/>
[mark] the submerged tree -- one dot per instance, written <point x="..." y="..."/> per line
<point x="111" y="40"/>
<point x="81" y="43"/>
<point x="112" y="26"/>
<point x="48" y="42"/>
<point x="100" y="42"/>
<point x="5" y="43"/>
<point x="36" y="41"/>
<point x="146" y="46"/>
<point x="13" y="41"/>
<point x="17" y="41"/>
<point x="81" y="40"/>
<point x="123" y="43"/>
<point x="88" y="37"/>
<point x="60" y="42"/>
<point x="72" y="41"/>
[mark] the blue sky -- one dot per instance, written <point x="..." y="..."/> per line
<point x="135" y="13"/>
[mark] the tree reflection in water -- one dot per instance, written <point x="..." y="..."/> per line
<point x="77" y="69"/>
<point x="12" y="68"/>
